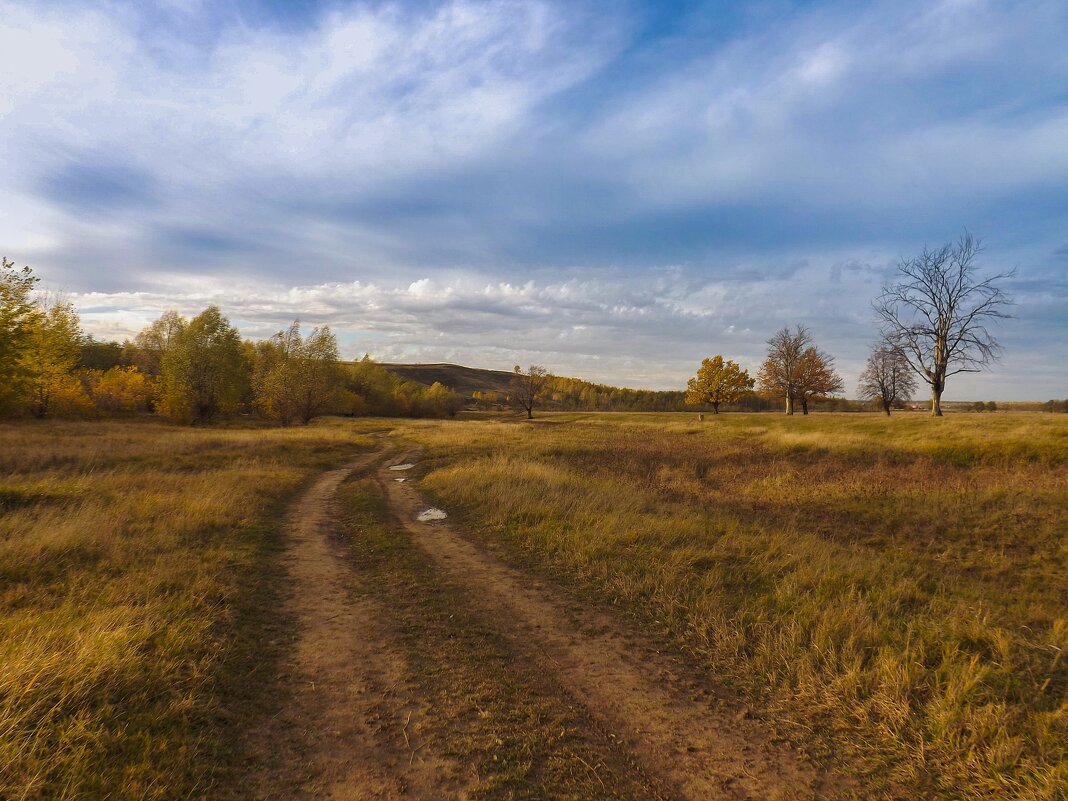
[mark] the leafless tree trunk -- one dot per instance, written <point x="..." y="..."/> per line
<point x="938" y="311"/>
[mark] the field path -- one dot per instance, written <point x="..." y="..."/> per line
<point x="341" y="731"/>
<point x="680" y="729"/>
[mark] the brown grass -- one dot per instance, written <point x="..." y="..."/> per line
<point x="894" y="593"/>
<point x="127" y="553"/>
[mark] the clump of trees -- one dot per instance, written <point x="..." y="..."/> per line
<point x="371" y="389"/>
<point x="204" y="371"/>
<point x="717" y="381"/>
<point x="192" y="370"/>
<point x="796" y="371"/>
<point x="295" y="378"/>
<point x="574" y="394"/>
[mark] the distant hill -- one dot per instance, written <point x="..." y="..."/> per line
<point x="564" y="394"/>
<point x="462" y="380"/>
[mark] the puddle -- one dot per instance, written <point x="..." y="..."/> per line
<point x="401" y="480"/>
<point x="431" y="514"/>
<point x="405" y="466"/>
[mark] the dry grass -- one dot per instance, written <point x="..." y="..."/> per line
<point x="127" y="551"/>
<point x="894" y="593"/>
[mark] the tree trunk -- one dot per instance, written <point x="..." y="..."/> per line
<point x="804" y="406"/>
<point x="789" y="404"/>
<point x="936" y="400"/>
<point x="715" y="408"/>
<point x="530" y="412"/>
<point x="886" y="407"/>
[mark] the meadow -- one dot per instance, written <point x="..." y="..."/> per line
<point x="134" y="559"/>
<point x="892" y="593"/>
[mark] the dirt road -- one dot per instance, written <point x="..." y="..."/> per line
<point x="361" y="697"/>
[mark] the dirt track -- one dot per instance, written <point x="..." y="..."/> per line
<point x="337" y="735"/>
<point x="340" y="733"/>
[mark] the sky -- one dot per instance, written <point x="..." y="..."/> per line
<point x="614" y="190"/>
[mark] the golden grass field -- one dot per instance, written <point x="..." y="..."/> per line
<point x="893" y="593"/>
<point x="130" y="553"/>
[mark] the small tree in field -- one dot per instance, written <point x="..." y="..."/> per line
<point x="887" y="377"/>
<point x="938" y="311"/>
<point x="528" y="388"/>
<point x="717" y="381"/>
<point x="780" y="373"/>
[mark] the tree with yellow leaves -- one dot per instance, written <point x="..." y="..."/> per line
<point x="50" y="357"/>
<point x="17" y="315"/>
<point x="717" y="381"/>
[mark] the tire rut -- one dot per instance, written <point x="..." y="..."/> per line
<point x="681" y="731"/>
<point x="339" y="734"/>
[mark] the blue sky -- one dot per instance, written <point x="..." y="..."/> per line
<point x="614" y="190"/>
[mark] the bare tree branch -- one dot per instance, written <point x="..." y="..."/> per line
<point x="937" y="314"/>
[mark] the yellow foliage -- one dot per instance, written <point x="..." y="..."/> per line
<point x="120" y="389"/>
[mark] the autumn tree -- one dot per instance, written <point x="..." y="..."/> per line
<point x="52" y="351"/>
<point x="528" y="388"/>
<point x="717" y="381"/>
<point x="204" y="373"/>
<point x="151" y="346"/>
<point x="120" y="389"/>
<point x="439" y="401"/>
<point x="887" y="377"/>
<point x="780" y="373"/>
<point x="816" y="377"/>
<point x="17" y="314"/>
<point x="297" y="378"/>
<point x="938" y="311"/>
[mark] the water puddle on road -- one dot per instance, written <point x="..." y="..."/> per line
<point x="405" y="466"/>
<point x="431" y="514"/>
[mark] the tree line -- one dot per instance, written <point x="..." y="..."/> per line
<point x="191" y="370"/>
<point x="934" y="320"/>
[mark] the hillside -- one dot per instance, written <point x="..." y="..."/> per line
<point x="562" y="393"/>
<point x="462" y="380"/>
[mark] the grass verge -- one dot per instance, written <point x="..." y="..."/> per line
<point x="893" y="593"/>
<point x="133" y="559"/>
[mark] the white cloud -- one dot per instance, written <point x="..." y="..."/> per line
<point x="456" y="159"/>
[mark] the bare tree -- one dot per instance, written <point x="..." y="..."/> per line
<point x="887" y="377"/>
<point x="780" y="373"/>
<point x="938" y="311"/>
<point x="528" y="387"/>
